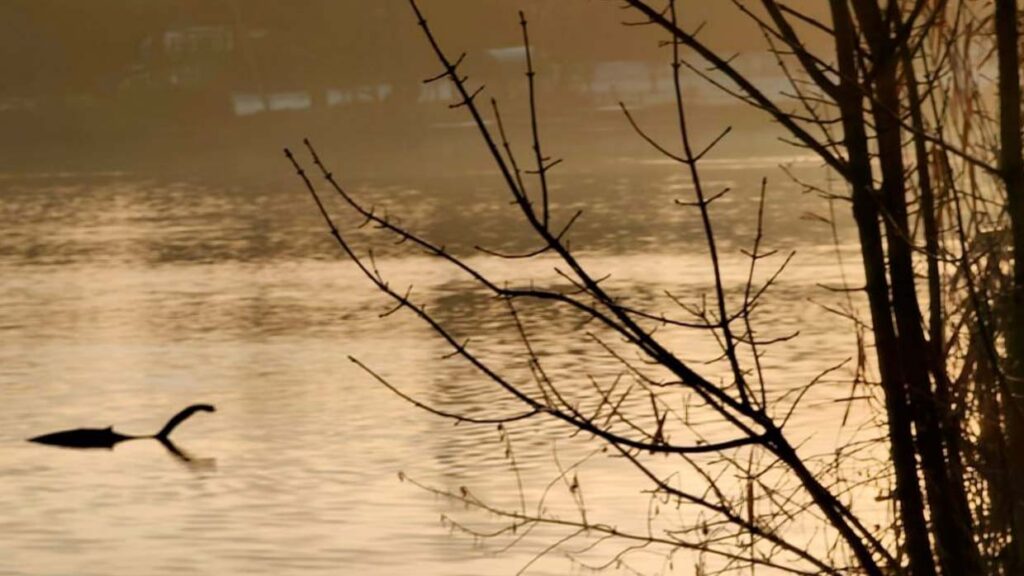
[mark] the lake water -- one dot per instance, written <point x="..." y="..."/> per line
<point x="125" y="298"/>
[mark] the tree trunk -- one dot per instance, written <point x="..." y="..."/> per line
<point x="952" y="537"/>
<point x="1012" y="172"/>
<point x="949" y="425"/>
<point x="866" y="214"/>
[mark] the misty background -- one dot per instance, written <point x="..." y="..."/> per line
<point x="222" y="85"/>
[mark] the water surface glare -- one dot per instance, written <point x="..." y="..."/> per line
<point x="124" y="299"/>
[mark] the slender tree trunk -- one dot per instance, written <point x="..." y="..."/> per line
<point x="952" y="538"/>
<point x="1012" y="167"/>
<point x="866" y="214"/>
<point x="960" y="511"/>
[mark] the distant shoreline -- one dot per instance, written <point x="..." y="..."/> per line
<point x="364" y="141"/>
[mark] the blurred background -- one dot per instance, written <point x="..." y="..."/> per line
<point x="223" y="84"/>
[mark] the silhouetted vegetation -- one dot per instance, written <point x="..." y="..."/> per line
<point x="900" y="108"/>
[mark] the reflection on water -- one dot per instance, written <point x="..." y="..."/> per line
<point x="122" y="299"/>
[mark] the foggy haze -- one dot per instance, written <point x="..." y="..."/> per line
<point x="117" y="84"/>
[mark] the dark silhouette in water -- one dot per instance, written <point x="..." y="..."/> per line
<point x="107" y="438"/>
